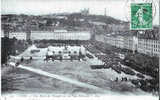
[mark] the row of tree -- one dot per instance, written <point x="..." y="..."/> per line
<point x="12" y="47"/>
<point x="7" y="48"/>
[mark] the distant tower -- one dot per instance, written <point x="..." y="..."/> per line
<point x="88" y="11"/>
<point x="105" y="12"/>
<point x="85" y="11"/>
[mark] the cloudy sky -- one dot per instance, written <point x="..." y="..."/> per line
<point x="114" y="8"/>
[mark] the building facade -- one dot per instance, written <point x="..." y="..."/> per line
<point x="60" y="35"/>
<point x="2" y="33"/>
<point x="18" y="35"/>
<point x="71" y="50"/>
<point x="66" y="52"/>
<point x="128" y="43"/>
<point x="119" y="42"/>
<point x="149" y="47"/>
<point x="145" y="46"/>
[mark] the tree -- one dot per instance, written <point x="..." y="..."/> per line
<point x="6" y="49"/>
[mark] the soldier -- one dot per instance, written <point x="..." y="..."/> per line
<point x="116" y="80"/>
<point x="53" y="58"/>
<point x="22" y="59"/>
<point x="71" y="58"/>
<point x="31" y="58"/>
<point x="61" y="58"/>
<point x="17" y="64"/>
<point x="124" y="79"/>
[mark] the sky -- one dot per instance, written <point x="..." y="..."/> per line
<point x="114" y="8"/>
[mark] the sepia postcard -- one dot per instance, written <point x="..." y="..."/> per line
<point x="80" y="49"/>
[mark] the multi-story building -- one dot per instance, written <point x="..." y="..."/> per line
<point x="18" y="35"/>
<point x="71" y="50"/>
<point x="149" y="47"/>
<point x="110" y="40"/>
<point x="60" y="35"/>
<point x="128" y="43"/>
<point x="119" y="27"/>
<point x="66" y="52"/>
<point x="119" y="42"/>
<point x="145" y="46"/>
<point x="2" y="33"/>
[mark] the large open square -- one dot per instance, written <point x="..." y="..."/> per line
<point x="28" y="81"/>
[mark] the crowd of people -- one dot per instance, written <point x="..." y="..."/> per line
<point x="113" y="61"/>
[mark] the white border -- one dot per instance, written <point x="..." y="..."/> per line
<point x="39" y="97"/>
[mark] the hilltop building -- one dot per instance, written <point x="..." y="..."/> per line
<point x="85" y="11"/>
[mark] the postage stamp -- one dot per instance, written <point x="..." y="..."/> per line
<point x="141" y="16"/>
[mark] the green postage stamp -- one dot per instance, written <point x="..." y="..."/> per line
<point x="141" y="16"/>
